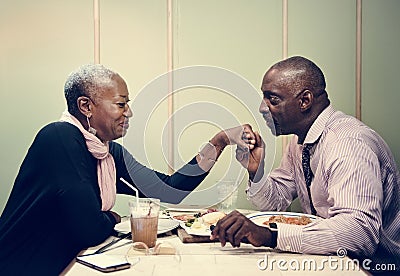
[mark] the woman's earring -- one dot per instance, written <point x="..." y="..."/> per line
<point x="90" y="129"/>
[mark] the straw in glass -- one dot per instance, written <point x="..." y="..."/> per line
<point x="134" y="189"/>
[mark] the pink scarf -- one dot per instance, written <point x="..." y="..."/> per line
<point x="106" y="173"/>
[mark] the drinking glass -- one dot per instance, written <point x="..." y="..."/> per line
<point x="144" y="220"/>
<point x="227" y="195"/>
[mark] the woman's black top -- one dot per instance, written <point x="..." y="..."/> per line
<point x="54" y="209"/>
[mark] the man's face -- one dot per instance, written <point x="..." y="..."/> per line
<point x="110" y="111"/>
<point x="280" y="105"/>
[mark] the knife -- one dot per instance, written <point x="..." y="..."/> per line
<point x="103" y="248"/>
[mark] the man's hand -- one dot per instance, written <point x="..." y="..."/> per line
<point x="253" y="160"/>
<point x="250" y="151"/>
<point x="236" y="228"/>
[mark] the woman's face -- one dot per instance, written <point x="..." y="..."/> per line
<point x="110" y="111"/>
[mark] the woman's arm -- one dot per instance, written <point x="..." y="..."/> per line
<point x="173" y="188"/>
<point x="168" y="188"/>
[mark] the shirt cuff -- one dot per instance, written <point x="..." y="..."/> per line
<point x="253" y="188"/>
<point x="289" y="238"/>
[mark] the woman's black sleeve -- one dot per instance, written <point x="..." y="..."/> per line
<point x="168" y="188"/>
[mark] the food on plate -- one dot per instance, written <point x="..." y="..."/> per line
<point x="165" y="213"/>
<point x="205" y="221"/>
<point x="301" y="220"/>
<point x="201" y="219"/>
<point x="190" y="218"/>
<point x="185" y="217"/>
<point x="212" y="218"/>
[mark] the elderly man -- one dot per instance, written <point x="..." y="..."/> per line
<point x="339" y="168"/>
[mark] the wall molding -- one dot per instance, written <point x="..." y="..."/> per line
<point x="358" y="57"/>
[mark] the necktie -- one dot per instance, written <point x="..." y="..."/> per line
<point x="308" y="174"/>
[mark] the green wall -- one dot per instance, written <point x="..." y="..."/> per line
<point x="381" y="97"/>
<point x="43" y="40"/>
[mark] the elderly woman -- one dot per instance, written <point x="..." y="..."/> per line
<point x="66" y="186"/>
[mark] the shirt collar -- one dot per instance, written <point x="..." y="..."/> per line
<point x="318" y="126"/>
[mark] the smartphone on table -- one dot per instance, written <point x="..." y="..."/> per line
<point x="103" y="262"/>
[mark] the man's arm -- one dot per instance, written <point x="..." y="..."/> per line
<point x="355" y="194"/>
<point x="276" y="190"/>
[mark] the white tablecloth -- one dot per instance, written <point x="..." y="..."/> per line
<point x="208" y="259"/>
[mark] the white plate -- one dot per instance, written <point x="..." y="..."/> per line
<point x="260" y="217"/>
<point x="164" y="225"/>
<point x="257" y="218"/>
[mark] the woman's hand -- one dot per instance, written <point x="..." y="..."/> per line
<point x="249" y="152"/>
<point x="116" y="216"/>
<point x="243" y="136"/>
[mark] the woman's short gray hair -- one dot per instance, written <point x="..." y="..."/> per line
<point x="87" y="80"/>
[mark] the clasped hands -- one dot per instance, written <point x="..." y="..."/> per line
<point x="235" y="227"/>
<point x="250" y="148"/>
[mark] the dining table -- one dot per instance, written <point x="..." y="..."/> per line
<point x="206" y="258"/>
